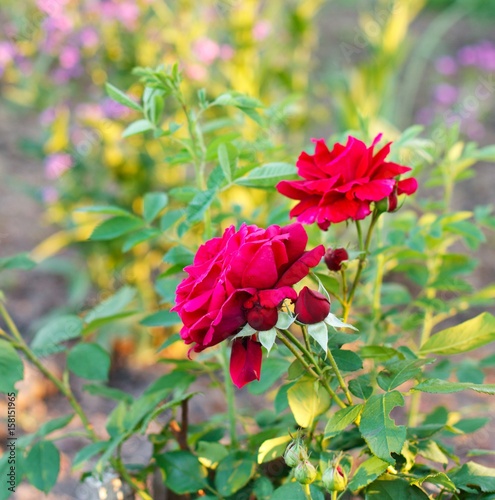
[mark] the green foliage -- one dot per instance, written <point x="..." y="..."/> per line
<point x="11" y="367"/>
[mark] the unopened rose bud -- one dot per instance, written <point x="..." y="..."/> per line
<point x="295" y="453"/>
<point x="335" y="257"/>
<point x="334" y="478"/>
<point x="305" y="472"/>
<point x="311" y="306"/>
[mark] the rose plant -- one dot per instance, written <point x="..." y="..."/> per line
<point x="334" y="324"/>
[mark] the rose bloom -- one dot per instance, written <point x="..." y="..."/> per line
<point x="341" y="184"/>
<point x="242" y="278"/>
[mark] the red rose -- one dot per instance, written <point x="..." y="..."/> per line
<point x="242" y="277"/>
<point x="334" y="258"/>
<point x="341" y="184"/>
<point x="311" y="306"/>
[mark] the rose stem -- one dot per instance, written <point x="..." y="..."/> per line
<point x="316" y="372"/>
<point x="339" y="376"/>
<point x="63" y="388"/>
<point x="230" y="396"/>
<point x="362" y="259"/>
<point x="307" y="491"/>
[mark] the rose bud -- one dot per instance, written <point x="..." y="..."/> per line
<point x="334" y="479"/>
<point x="295" y="453"/>
<point x="305" y="472"/>
<point x="311" y="306"/>
<point x="335" y="257"/>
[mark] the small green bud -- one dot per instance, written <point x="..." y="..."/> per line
<point x="305" y="472"/>
<point x="295" y="453"/>
<point x="334" y="478"/>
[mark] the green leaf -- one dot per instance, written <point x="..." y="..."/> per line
<point x="183" y="472"/>
<point x="227" y="157"/>
<point x="137" y="127"/>
<point x="107" y="392"/>
<point x="139" y="237"/>
<point x="367" y="472"/>
<point x="115" y="227"/>
<point x="273" y="368"/>
<point x="307" y="399"/>
<point x="341" y="419"/>
<point x="19" y="261"/>
<point x="55" y="332"/>
<point x="88" y="452"/>
<point x="267" y="176"/>
<point x="11" y="367"/>
<point x="198" y="206"/>
<point x="263" y="488"/>
<point x="294" y="491"/>
<point x="210" y="453"/>
<point x="105" y="209"/>
<point x="379" y="353"/>
<point x="53" y="425"/>
<point x="154" y="203"/>
<point x="161" y="318"/>
<point x="438" y="478"/>
<point x="464" y="337"/>
<point x="394" y="488"/>
<point x="379" y="431"/>
<point x="111" y="306"/>
<point x="170" y="218"/>
<point x="430" y="450"/>
<point x="347" y="361"/>
<point x="360" y="387"/>
<point x="319" y="333"/>
<point x="273" y="448"/>
<point x="89" y="361"/>
<point x="43" y="465"/>
<point x="437" y="386"/>
<point x="179" y="255"/>
<point x="119" y="96"/>
<point x="398" y="372"/>
<point x="234" y="472"/>
<point x="472" y="474"/>
<point x="171" y="340"/>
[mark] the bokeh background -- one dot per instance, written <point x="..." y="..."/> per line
<point x="322" y="67"/>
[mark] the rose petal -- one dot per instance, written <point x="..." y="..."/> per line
<point x="245" y="361"/>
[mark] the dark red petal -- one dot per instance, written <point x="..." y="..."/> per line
<point x="245" y="361"/>
<point x="300" y="268"/>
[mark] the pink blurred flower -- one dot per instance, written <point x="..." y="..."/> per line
<point x="69" y="57"/>
<point x="128" y="14"/>
<point x="446" y="94"/>
<point x="47" y="116"/>
<point x="113" y="110"/>
<point x="196" y="72"/>
<point x="262" y="29"/>
<point x="7" y="53"/>
<point x="89" y="111"/>
<point x="57" y="164"/>
<point x="467" y="55"/>
<point x="49" y="195"/>
<point x="206" y="50"/>
<point x="226" y="52"/>
<point x="89" y="38"/>
<point x="446" y="65"/>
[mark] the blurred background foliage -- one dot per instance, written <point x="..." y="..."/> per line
<point x="383" y="67"/>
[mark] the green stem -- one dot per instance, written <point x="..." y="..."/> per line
<point x="307" y="491"/>
<point x="120" y="467"/>
<point x="339" y="376"/>
<point x="63" y="388"/>
<point x="362" y="260"/>
<point x="292" y="343"/>
<point x="415" y="405"/>
<point x="230" y="396"/>
<point x="335" y="495"/>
